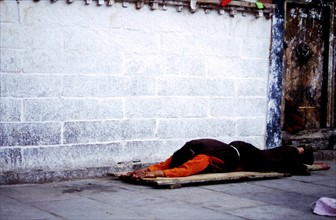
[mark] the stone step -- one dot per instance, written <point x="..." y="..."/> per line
<point x="325" y="155"/>
<point x="319" y="139"/>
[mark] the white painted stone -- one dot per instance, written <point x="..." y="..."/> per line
<point x="251" y="127"/>
<point x="165" y="107"/>
<point x="26" y="86"/>
<point x="30" y="134"/>
<point x="72" y="109"/>
<point x="105" y="131"/>
<point x="251" y="87"/>
<point x="223" y="107"/>
<point x="10" y="110"/>
<point x="183" y="86"/>
<point x="195" y="128"/>
<point x="10" y="159"/>
<point x="72" y="157"/>
<point x="11" y="60"/>
<point x="9" y="12"/>
<point x="83" y="85"/>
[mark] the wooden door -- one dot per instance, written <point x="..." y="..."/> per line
<point x="306" y="57"/>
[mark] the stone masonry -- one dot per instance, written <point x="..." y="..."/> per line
<point x="92" y="86"/>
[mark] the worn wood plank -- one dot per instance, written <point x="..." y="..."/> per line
<point x="210" y="177"/>
<point x="177" y="182"/>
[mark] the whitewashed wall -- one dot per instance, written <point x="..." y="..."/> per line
<point x="89" y="86"/>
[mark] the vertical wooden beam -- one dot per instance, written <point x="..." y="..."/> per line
<point x="273" y="133"/>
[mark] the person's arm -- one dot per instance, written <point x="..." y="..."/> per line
<point x="154" y="170"/>
<point x="161" y="166"/>
<point x="193" y="166"/>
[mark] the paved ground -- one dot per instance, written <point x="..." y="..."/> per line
<point x="103" y="198"/>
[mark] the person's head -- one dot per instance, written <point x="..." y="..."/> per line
<point x="181" y="156"/>
<point x="308" y="155"/>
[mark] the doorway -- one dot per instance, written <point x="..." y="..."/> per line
<point x="309" y="68"/>
<point x="308" y="79"/>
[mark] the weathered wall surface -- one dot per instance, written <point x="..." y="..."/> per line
<point x="89" y="86"/>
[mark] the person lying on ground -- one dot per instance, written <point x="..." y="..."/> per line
<point x="213" y="156"/>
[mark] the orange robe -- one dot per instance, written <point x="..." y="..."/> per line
<point x="193" y="166"/>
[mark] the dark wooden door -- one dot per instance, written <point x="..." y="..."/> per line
<point x="306" y="60"/>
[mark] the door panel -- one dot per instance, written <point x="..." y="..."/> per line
<point x="306" y="61"/>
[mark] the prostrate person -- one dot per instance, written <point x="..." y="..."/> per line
<point x="213" y="156"/>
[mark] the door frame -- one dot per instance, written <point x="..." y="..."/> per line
<point x="275" y="97"/>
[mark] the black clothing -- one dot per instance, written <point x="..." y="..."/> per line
<point x="249" y="158"/>
<point x="208" y="147"/>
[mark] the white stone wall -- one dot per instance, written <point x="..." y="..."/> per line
<point x="89" y="86"/>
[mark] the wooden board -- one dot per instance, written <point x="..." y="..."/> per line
<point x="210" y="177"/>
<point x="177" y="182"/>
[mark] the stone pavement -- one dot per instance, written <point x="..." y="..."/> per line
<point x="104" y="198"/>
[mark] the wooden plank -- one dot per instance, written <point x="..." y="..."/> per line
<point x="177" y="182"/>
<point x="210" y="177"/>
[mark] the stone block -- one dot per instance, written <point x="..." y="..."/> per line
<point x="47" y="38"/>
<point x="223" y="107"/>
<point x="107" y="86"/>
<point x="30" y="85"/>
<point x="165" y="107"/>
<point x="95" y="39"/>
<point x="11" y="60"/>
<point x="167" y="64"/>
<point x="14" y="134"/>
<point x="195" y="128"/>
<point x="251" y="87"/>
<point x="178" y="86"/>
<point x="221" y="87"/>
<point x="43" y="61"/>
<point x="183" y="65"/>
<point x="91" y="62"/>
<point x="10" y="110"/>
<point x="9" y="12"/>
<point x="10" y="159"/>
<point x="135" y="129"/>
<point x="15" y="36"/>
<point x="251" y="107"/>
<point x="12" y="36"/>
<point x="107" y="131"/>
<point x="177" y="43"/>
<point x="147" y="151"/>
<point x="72" y="109"/>
<point x="255" y="47"/>
<point x="147" y="64"/>
<point x="72" y="156"/>
<point x="252" y="68"/>
<point x="222" y="45"/>
<point x="222" y="68"/>
<point x="251" y="127"/>
<point x="238" y="68"/>
<point x="132" y="41"/>
<point x="238" y="107"/>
